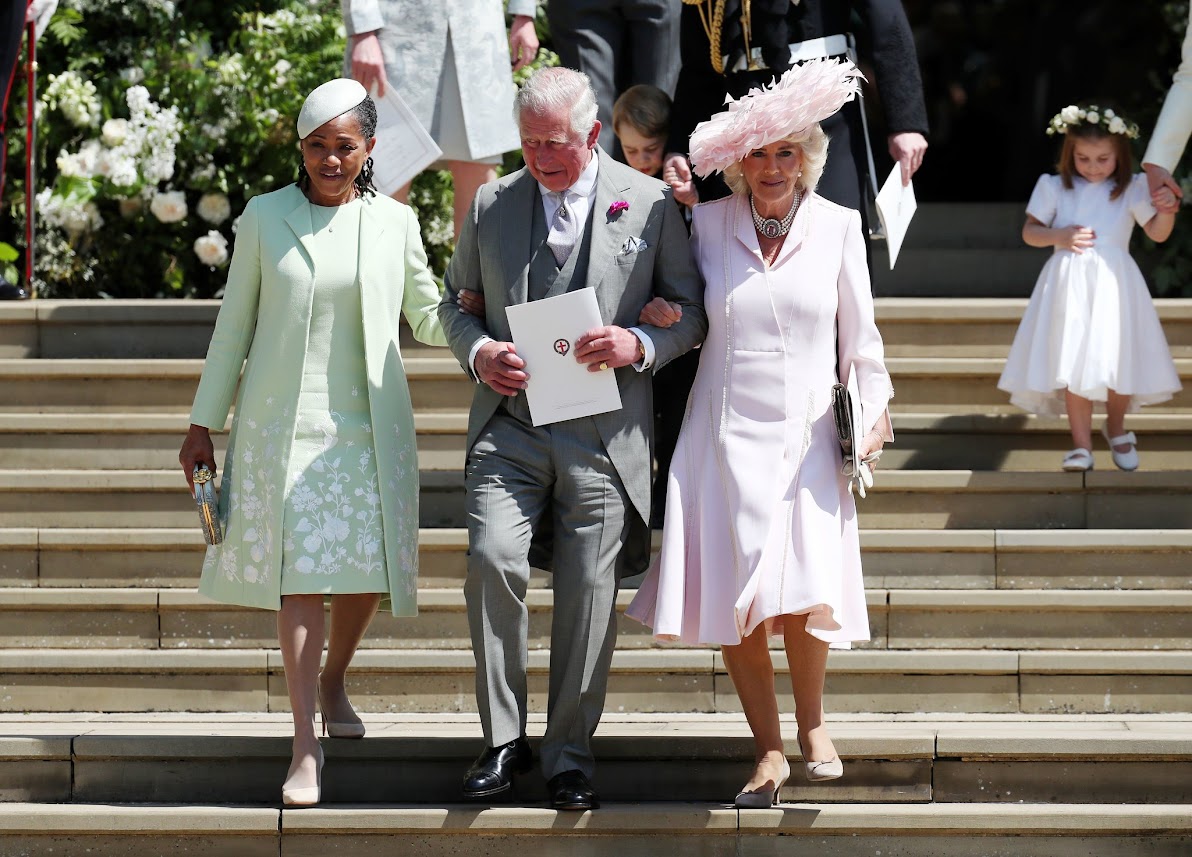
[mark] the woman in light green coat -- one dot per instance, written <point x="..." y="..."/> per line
<point x="320" y="484"/>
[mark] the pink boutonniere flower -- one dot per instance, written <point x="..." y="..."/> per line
<point x="617" y="207"/>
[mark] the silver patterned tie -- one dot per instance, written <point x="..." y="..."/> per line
<point x="563" y="230"/>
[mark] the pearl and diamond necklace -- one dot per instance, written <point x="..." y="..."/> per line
<point x="770" y="227"/>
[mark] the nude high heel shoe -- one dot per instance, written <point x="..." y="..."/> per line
<point x="336" y="729"/>
<point x="305" y="795"/>
<point x="816" y="772"/>
<point x="764" y="798"/>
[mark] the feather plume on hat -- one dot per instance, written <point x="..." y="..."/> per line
<point x="804" y="95"/>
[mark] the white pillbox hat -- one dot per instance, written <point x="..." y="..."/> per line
<point x="327" y="101"/>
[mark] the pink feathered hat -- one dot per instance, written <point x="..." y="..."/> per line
<point x="804" y="95"/>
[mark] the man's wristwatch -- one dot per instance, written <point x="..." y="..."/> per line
<point x="641" y="350"/>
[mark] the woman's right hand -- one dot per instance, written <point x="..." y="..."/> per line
<point x="1075" y="238"/>
<point x="368" y="63"/>
<point x="660" y="313"/>
<point x="196" y="449"/>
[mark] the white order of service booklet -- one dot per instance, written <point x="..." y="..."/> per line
<point x="404" y="148"/>
<point x="544" y="333"/>
<point x="896" y="205"/>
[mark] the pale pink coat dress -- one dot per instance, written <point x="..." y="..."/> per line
<point x="759" y="521"/>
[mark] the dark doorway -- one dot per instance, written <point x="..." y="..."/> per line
<point x="995" y="71"/>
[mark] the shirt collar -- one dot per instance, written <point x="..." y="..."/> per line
<point x="585" y="184"/>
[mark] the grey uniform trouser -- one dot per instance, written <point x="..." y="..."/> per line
<point x="516" y="475"/>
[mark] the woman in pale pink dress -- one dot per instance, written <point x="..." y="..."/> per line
<point x="761" y="530"/>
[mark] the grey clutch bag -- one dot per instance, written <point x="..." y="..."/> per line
<point x="206" y="500"/>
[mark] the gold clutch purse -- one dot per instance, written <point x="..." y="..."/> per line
<point x="208" y="504"/>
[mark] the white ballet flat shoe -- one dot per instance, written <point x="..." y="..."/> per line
<point x="1078" y="460"/>
<point x="1124" y="460"/>
<point x="763" y="798"/>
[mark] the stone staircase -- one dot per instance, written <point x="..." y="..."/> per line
<point x="1028" y="687"/>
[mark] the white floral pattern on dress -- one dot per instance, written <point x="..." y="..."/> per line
<point x="253" y="495"/>
<point x="333" y="528"/>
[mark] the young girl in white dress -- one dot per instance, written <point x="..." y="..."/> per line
<point x="1090" y="333"/>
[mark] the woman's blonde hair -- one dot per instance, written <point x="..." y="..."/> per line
<point x="813" y="143"/>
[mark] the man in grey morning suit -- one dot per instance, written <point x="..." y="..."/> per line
<point x="582" y="486"/>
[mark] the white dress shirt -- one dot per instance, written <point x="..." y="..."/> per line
<point x="579" y="198"/>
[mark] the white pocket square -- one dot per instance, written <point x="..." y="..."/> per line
<point x="632" y="244"/>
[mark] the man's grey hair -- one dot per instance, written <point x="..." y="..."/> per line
<point x="550" y="89"/>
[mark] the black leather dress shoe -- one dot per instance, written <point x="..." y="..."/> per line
<point x="12" y="292"/>
<point x="492" y="772"/>
<point x="571" y="790"/>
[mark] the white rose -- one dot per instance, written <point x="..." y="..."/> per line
<point x="214" y="208"/>
<point x="81" y="218"/>
<point x="1093" y="117"/>
<point x="1070" y="114"/>
<point x="1109" y="114"/>
<point x="1116" y="125"/>
<point x="212" y="249"/>
<point x="115" y="131"/>
<point x="169" y="207"/>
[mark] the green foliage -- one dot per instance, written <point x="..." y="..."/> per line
<point x="8" y="255"/>
<point x="205" y="104"/>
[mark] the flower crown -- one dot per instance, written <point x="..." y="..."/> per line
<point x="1074" y="117"/>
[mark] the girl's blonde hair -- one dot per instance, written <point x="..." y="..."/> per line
<point x="812" y="142"/>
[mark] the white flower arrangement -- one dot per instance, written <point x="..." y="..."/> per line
<point x="82" y="164"/>
<point x="115" y="132"/>
<point x="1074" y="116"/>
<point x="212" y="249"/>
<point x="169" y="207"/>
<point x="76" y="97"/>
<point x="214" y="208"/>
<point x="73" y="216"/>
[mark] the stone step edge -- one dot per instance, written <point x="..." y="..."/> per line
<point x="671" y="661"/>
<point x="451" y="599"/>
<point x="456" y="423"/>
<point x="982" y="481"/>
<point x="708" y="818"/>
<point x="151" y="539"/>
<point x="431" y="368"/>
<point x="104" y="312"/>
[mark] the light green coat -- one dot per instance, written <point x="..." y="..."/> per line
<point x="265" y="317"/>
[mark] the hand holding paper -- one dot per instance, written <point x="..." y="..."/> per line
<point x="498" y="365"/>
<point x="404" y="148"/>
<point x="546" y="333"/>
<point x="608" y="347"/>
<point x="896" y="205"/>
